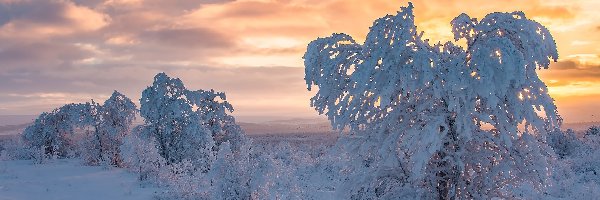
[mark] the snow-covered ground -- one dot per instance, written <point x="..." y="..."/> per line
<point x="68" y="179"/>
<point x="296" y="154"/>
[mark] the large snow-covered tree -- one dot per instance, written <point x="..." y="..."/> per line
<point x="187" y="125"/>
<point x="171" y="121"/>
<point x="439" y="116"/>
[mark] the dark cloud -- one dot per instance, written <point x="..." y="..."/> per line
<point x="39" y="12"/>
<point x="564" y="65"/>
<point x="171" y="8"/>
<point x="39" y="55"/>
<point x="44" y="18"/>
<point x="188" y="38"/>
<point x="84" y="62"/>
<point x="569" y="72"/>
<point x="176" y="6"/>
<point x="557" y="83"/>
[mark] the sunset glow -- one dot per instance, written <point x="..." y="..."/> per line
<point x="64" y="51"/>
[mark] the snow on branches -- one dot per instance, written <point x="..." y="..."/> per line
<point x="109" y="124"/>
<point x="449" y="115"/>
<point x="104" y="127"/>
<point x="50" y="132"/>
<point x="185" y="124"/>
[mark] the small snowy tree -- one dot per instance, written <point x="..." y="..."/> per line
<point x="213" y="110"/>
<point x="52" y="134"/>
<point x="118" y="114"/>
<point x="51" y="131"/>
<point x="109" y="122"/>
<point x="420" y="110"/>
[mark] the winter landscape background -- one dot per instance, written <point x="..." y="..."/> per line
<point x="299" y="100"/>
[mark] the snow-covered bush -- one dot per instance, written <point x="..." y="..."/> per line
<point x="15" y="148"/>
<point x="181" y="180"/>
<point x="229" y="180"/>
<point x="256" y="173"/>
<point x="593" y="130"/>
<point x="347" y="163"/>
<point x="141" y="156"/>
<point x="240" y="174"/>
<point x="586" y="161"/>
<point x="440" y="117"/>
<point x="283" y="152"/>
<point x="576" y="175"/>
<point x="572" y="188"/>
<point x="564" y="143"/>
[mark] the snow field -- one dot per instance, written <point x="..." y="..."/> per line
<point x="68" y="179"/>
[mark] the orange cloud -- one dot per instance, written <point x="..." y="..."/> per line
<point x="244" y="47"/>
<point x="553" y="12"/>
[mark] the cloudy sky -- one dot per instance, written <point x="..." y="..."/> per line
<point x="57" y="52"/>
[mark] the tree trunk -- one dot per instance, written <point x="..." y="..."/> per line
<point x="447" y="177"/>
<point x="97" y="133"/>
<point x="161" y="142"/>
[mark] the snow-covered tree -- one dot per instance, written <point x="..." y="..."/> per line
<point x="186" y="124"/>
<point x="51" y="131"/>
<point x="172" y="123"/>
<point x="118" y="114"/>
<point x="104" y="125"/>
<point x="109" y="123"/>
<point x="440" y="116"/>
<point x="213" y="110"/>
